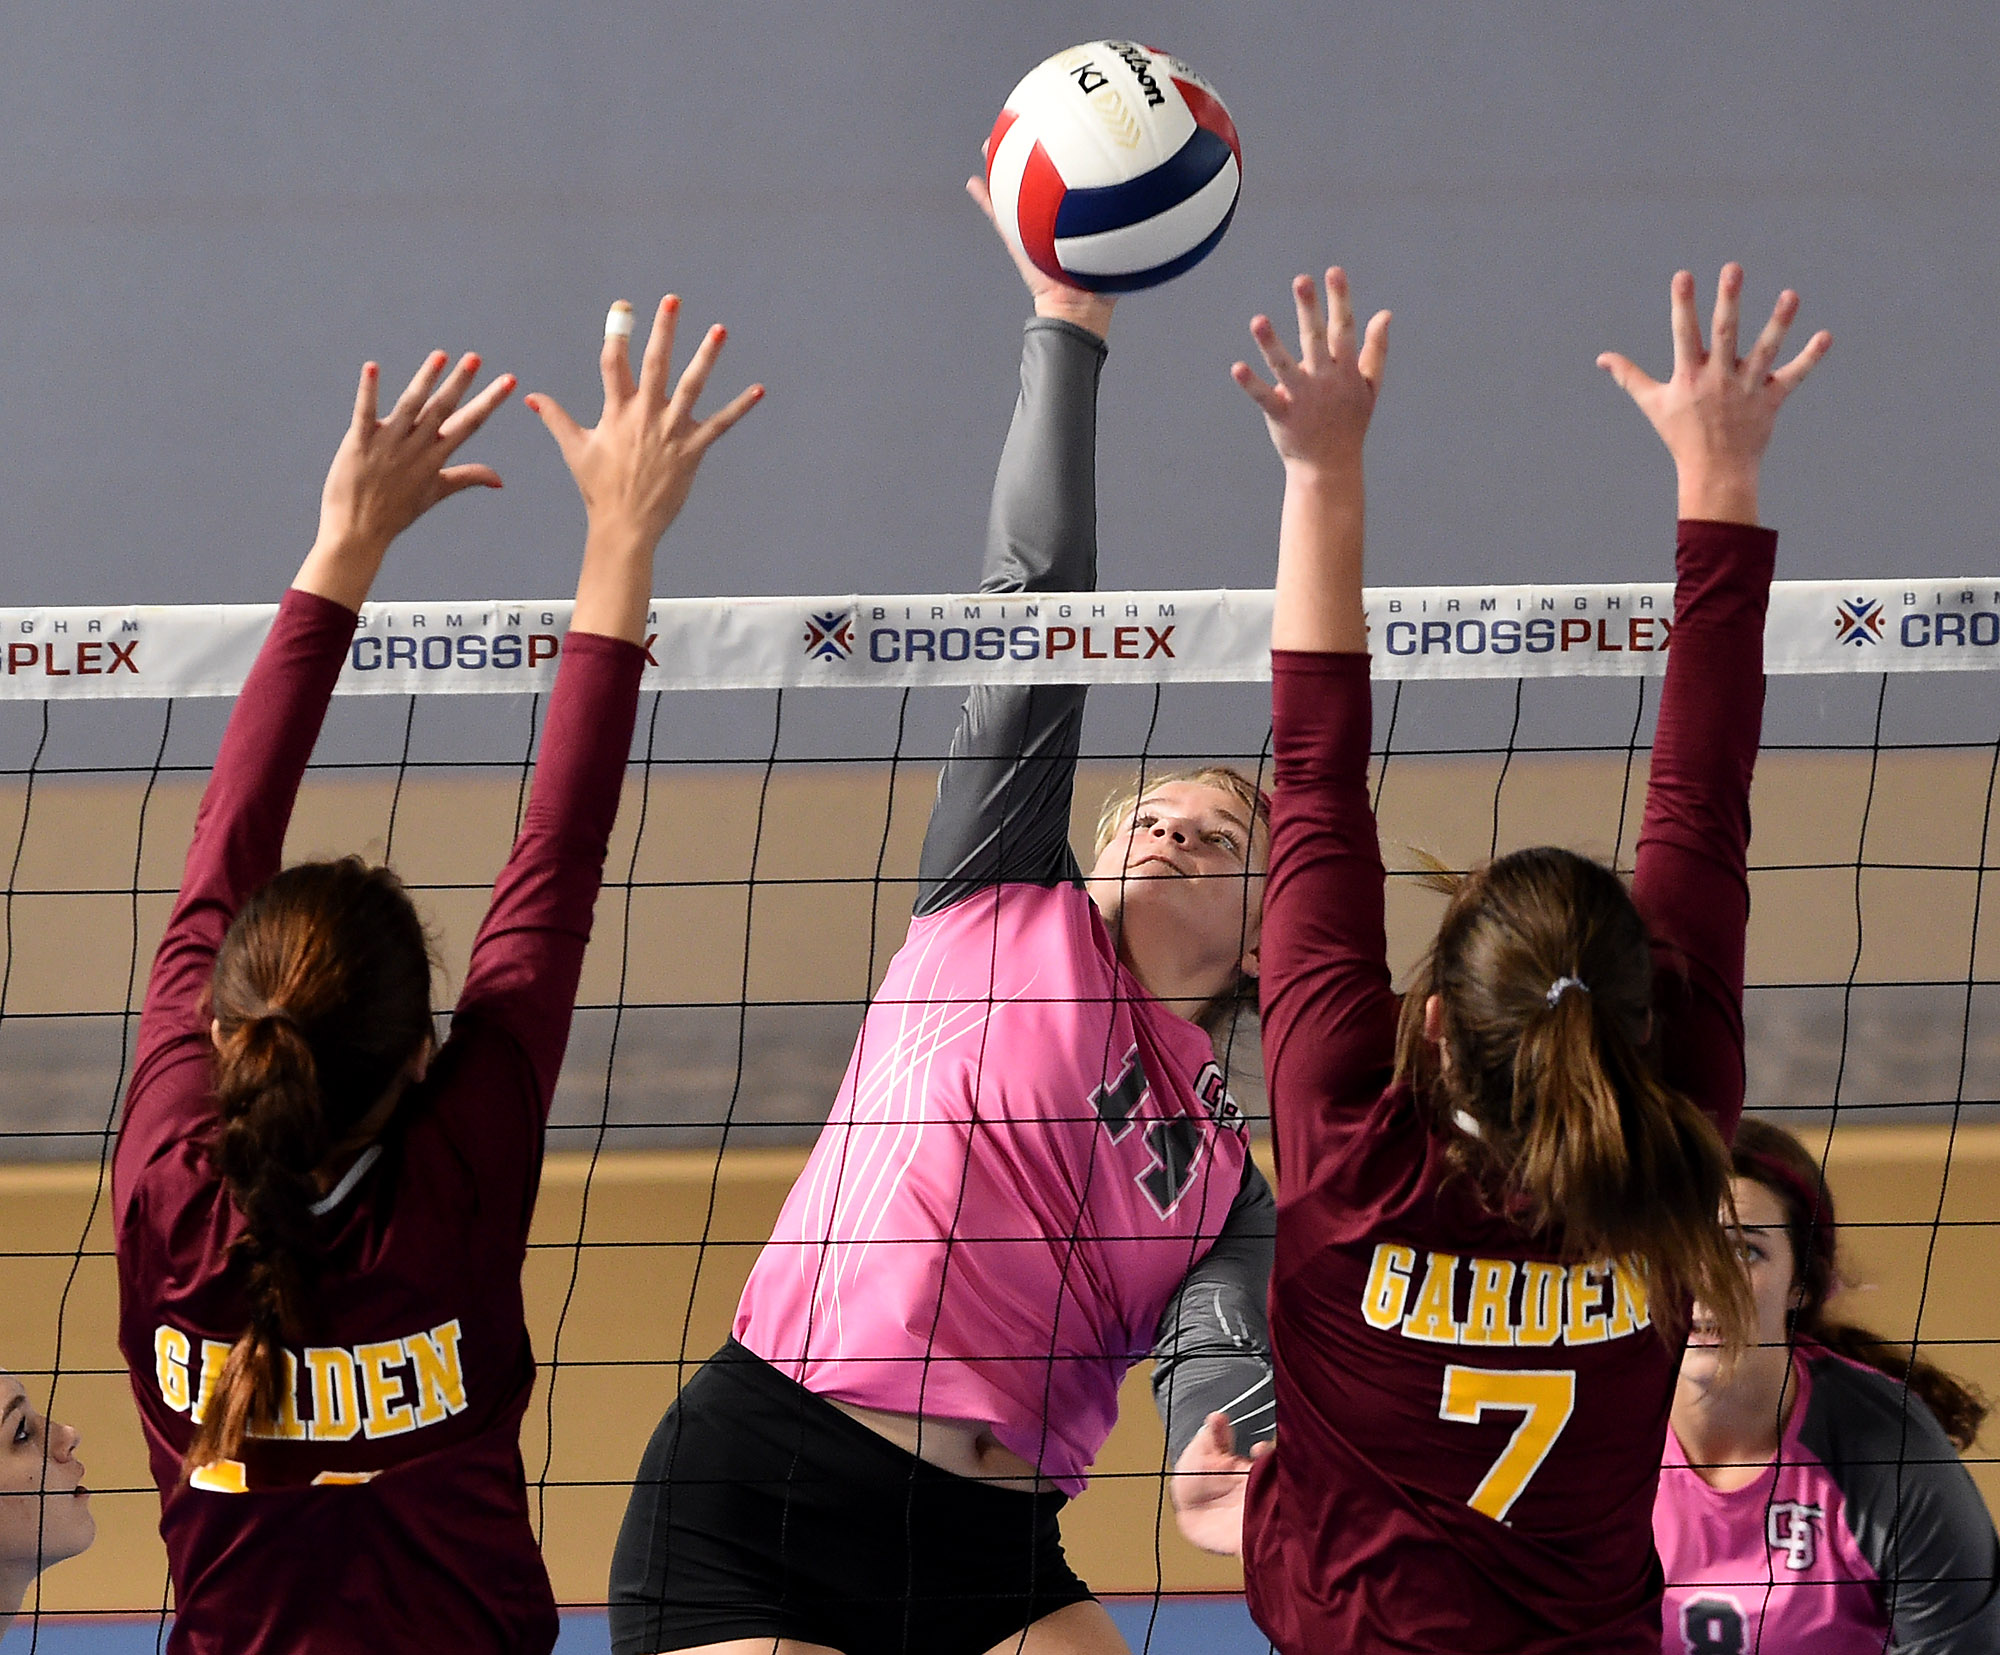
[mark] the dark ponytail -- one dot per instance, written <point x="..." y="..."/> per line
<point x="1543" y="971"/>
<point x="321" y="998"/>
<point x="1772" y="1157"/>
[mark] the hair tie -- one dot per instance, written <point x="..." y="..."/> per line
<point x="1560" y="986"/>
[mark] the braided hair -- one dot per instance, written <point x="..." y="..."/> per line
<point x="321" y="998"/>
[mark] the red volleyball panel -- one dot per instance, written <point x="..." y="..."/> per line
<point x="1007" y="118"/>
<point x="1208" y="112"/>
<point x="1042" y="190"/>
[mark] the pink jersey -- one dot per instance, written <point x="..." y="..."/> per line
<point x="1770" y="1565"/>
<point x="1026" y="1157"/>
<point x="1864" y="1534"/>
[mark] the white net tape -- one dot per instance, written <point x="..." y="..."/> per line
<point x="1420" y="632"/>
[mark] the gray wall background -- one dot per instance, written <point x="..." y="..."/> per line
<point x="213" y="213"/>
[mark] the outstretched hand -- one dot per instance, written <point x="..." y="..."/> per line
<point x="1052" y="298"/>
<point x="635" y="466"/>
<point x="1717" y="410"/>
<point x="1318" y="409"/>
<point x="390" y="469"/>
<point x="1207" y="1485"/>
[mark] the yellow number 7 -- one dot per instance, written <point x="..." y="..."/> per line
<point x="1546" y="1397"/>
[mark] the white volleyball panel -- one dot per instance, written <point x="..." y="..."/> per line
<point x="1156" y="240"/>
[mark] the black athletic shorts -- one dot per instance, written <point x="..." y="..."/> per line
<point x="762" y="1511"/>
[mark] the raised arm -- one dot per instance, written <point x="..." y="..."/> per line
<point x="389" y="470"/>
<point x="1715" y="414"/>
<point x="634" y="469"/>
<point x="1003" y="805"/>
<point x="1329" y="1014"/>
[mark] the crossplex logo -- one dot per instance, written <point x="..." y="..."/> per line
<point x="830" y="637"/>
<point x="1858" y="621"/>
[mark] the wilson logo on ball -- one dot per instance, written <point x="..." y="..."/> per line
<point x="1114" y="166"/>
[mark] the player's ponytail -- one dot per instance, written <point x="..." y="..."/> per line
<point x="321" y="998"/>
<point x="1543" y="973"/>
<point x="1772" y="1157"/>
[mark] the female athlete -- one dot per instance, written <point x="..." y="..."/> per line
<point x="44" y="1507"/>
<point x="1812" y="1501"/>
<point x="322" y="1216"/>
<point x="1498" y="1199"/>
<point x="1026" y="1170"/>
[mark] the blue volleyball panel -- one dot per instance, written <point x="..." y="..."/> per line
<point x="1190" y="169"/>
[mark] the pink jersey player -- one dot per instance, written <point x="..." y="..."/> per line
<point x="1032" y="1161"/>
<point x="1812" y="1501"/>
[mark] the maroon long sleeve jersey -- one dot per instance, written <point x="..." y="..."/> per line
<point x="388" y="1509"/>
<point x="1470" y="1426"/>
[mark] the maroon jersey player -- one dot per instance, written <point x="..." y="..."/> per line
<point x="1495" y="1203"/>
<point x="322" y="1215"/>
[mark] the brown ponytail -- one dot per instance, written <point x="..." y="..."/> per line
<point x="1578" y="1133"/>
<point x="321" y="998"/>
<point x="1772" y="1157"/>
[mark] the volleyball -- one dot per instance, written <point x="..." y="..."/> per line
<point x="1113" y="166"/>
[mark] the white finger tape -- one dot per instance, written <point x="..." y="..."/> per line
<point x="618" y="321"/>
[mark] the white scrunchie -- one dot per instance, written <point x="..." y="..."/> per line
<point x="1558" y="988"/>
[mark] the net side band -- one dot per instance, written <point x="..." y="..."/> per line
<point x="488" y="647"/>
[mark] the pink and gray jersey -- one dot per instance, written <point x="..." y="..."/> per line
<point x="1030" y="1157"/>
<point x="1864" y="1535"/>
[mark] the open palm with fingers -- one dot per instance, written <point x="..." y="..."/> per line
<point x="1318" y="409"/>
<point x="1716" y="411"/>
<point x="635" y="466"/>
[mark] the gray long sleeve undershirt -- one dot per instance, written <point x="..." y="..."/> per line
<point x="1002" y="815"/>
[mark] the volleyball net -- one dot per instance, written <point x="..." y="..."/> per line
<point x="762" y="876"/>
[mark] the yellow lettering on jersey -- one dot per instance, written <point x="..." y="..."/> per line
<point x="440" y="1381"/>
<point x="1431" y="1318"/>
<point x="221" y="1477"/>
<point x="288" y="1427"/>
<point x="387" y="1414"/>
<point x="1541" y="1303"/>
<point x="1586" y="1304"/>
<point x="336" y="1396"/>
<point x="1629" y="1309"/>
<point x="332" y="1479"/>
<point x="1388" y="1285"/>
<point x="1486" y="1320"/>
<point x="170" y="1366"/>
<point x="214" y="1357"/>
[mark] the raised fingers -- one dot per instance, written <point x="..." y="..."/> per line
<point x="1722" y="330"/>
<point x="1340" y="306"/>
<point x="1271" y="402"/>
<point x="1312" y="324"/>
<point x="1276" y="357"/>
<point x="694" y="377"/>
<point x="1626" y="374"/>
<point x="1375" y="349"/>
<point x="656" y="370"/>
<point x="364" y="398"/>
<point x="1688" y="354"/>
<point x="1795" y="370"/>
<point x="1762" y="354"/>
<point x="439" y="404"/>
<point x="474" y="414"/>
<point x="734" y="410"/>
<point x="614" y="361"/>
<point x="418" y="388"/>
